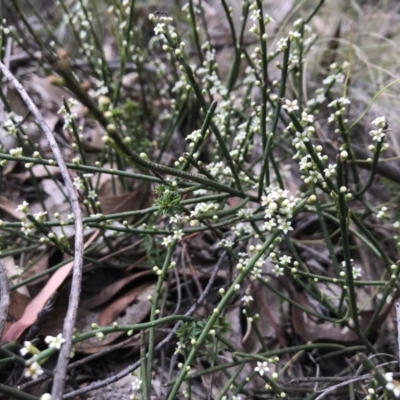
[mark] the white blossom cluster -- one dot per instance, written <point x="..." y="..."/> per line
<point x="392" y="385"/>
<point x="339" y="105"/>
<point x="279" y="206"/>
<point x="337" y="76"/>
<point x="356" y="271"/>
<point x="309" y="170"/>
<point x="209" y="76"/>
<point x="34" y="369"/>
<point x="280" y="263"/>
<point x="244" y="258"/>
<point x="379" y="134"/>
<point x="68" y="116"/>
<point x="11" y="123"/>
<point x="256" y="17"/>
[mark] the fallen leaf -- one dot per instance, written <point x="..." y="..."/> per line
<point x="110" y="313"/>
<point x="134" y="314"/>
<point x="38" y="302"/>
<point x="18" y="303"/>
<point x="11" y="270"/>
<point x="116" y="203"/>
<point x="10" y="208"/>
<point x="111" y="290"/>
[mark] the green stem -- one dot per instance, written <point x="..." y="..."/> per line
<point x="344" y="220"/>
<point x="265" y="250"/>
<point x="154" y="310"/>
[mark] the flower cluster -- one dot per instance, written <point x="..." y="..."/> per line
<point x="392" y="385"/>
<point x="68" y="116"/>
<point x="169" y="240"/>
<point x="202" y="209"/>
<point x="256" y="271"/>
<point x="256" y="17"/>
<point x="34" y="370"/>
<point x="382" y="213"/>
<point x="136" y="384"/>
<point x="379" y="133"/>
<point x="356" y="271"/>
<point x="279" y="207"/>
<point x="280" y="263"/>
<point x="209" y="76"/>
<point x="339" y="105"/>
<point x="11" y="124"/>
<point x="55" y="342"/>
<point x="310" y="170"/>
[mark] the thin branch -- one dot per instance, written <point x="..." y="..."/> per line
<point x="4" y="298"/>
<point x="69" y="322"/>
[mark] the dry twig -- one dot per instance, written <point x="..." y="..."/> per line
<point x="69" y="322"/>
<point x="4" y="298"/>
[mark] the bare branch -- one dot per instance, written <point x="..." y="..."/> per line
<point x="69" y="322"/>
<point x="4" y="298"/>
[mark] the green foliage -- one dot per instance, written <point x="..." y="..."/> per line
<point x="168" y="201"/>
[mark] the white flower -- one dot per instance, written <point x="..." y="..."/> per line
<point x="290" y="106"/>
<point x="388" y="376"/>
<point x="78" y="183"/>
<point x="285" y="260"/>
<point x="247" y="299"/>
<point x="380" y="122"/>
<point x="33" y="371"/>
<point x="178" y="234"/>
<point x="284" y="226"/>
<point x="167" y="241"/>
<point x="377" y="135"/>
<point x="136" y="384"/>
<point x="269" y="225"/>
<point x="278" y="271"/>
<point x="356" y="272"/>
<point x="16" y="152"/>
<point x="40" y="216"/>
<point x="46" y="396"/>
<point x="255" y="15"/>
<point x="55" y="342"/>
<point x="28" y="348"/>
<point x="225" y="243"/>
<point x="92" y="195"/>
<point x="392" y="385"/>
<point x="194" y="136"/>
<point x="262" y="367"/>
<point x="330" y="171"/>
<point x="23" y="207"/>
<point x="26" y="227"/>
<point x="245" y="213"/>
<point x="179" y="348"/>
<point x="294" y="35"/>
<point x="159" y="28"/>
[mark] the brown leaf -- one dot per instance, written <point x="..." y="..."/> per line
<point x="111" y="290"/>
<point x="40" y="266"/>
<point x="38" y="302"/>
<point x="310" y="330"/>
<point x="116" y="203"/>
<point x="10" y="208"/>
<point x="39" y="171"/>
<point x="134" y="314"/>
<point x="110" y="313"/>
